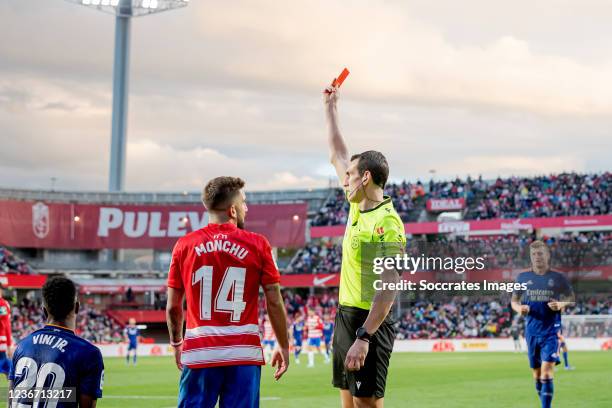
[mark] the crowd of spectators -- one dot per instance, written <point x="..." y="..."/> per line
<point x="11" y="263"/>
<point x="406" y="197"/>
<point x="569" y="250"/>
<point x="459" y="317"/>
<point x="91" y="324"/>
<point x="556" y="195"/>
<point x="465" y="317"/>
<point x="565" y="194"/>
<point x="320" y="257"/>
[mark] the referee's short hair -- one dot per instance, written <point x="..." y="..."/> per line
<point x="59" y="296"/>
<point x="376" y="163"/>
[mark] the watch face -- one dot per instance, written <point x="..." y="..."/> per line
<point x="361" y="332"/>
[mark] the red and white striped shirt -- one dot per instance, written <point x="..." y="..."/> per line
<point x="221" y="268"/>
<point x="268" y="331"/>
<point x="6" y="338"/>
<point x="315" y="327"/>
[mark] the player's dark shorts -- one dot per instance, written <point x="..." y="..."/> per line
<point x="372" y="378"/>
<point x="5" y="363"/>
<point x="297" y="342"/>
<point x="542" y="348"/>
<point x="233" y="387"/>
<point x="132" y="346"/>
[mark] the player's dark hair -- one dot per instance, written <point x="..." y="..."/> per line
<point x="59" y="295"/>
<point x="374" y="162"/>
<point x="220" y="192"/>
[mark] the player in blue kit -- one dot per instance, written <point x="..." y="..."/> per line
<point x="298" y="335"/>
<point x="328" y="331"/>
<point x="54" y="357"/>
<point x="132" y="334"/>
<point x="563" y="349"/>
<point x="547" y="294"/>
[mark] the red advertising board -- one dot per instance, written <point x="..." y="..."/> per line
<point x="18" y="281"/>
<point x="495" y="226"/>
<point x="27" y="224"/>
<point x="445" y="204"/>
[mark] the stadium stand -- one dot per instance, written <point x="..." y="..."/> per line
<point x="565" y="194"/>
<point x="11" y="263"/>
<point x="569" y="249"/>
<point x="95" y="326"/>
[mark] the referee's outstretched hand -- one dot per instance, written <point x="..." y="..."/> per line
<point x="355" y="358"/>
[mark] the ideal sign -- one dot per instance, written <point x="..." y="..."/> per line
<point x="445" y="204"/>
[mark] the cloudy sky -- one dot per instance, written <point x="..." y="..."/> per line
<point x="234" y="87"/>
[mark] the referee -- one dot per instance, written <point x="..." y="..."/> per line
<point x="364" y="332"/>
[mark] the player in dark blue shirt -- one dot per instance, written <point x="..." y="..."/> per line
<point x="328" y="331"/>
<point x="298" y="335"/>
<point x="547" y="293"/>
<point x="132" y="334"/>
<point x="55" y="357"/>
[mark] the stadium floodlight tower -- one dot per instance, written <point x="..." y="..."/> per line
<point x="124" y="10"/>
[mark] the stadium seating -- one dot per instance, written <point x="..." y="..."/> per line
<point x="11" y="263"/>
<point x="565" y="194"/>
<point x="92" y="325"/>
<point x="510" y="251"/>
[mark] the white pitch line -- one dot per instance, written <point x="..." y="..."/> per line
<point x="166" y="397"/>
<point x="140" y="396"/>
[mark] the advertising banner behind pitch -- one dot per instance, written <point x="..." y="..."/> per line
<point x="27" y="224"/>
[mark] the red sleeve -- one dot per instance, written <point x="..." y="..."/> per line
<point x="175" y="278"/>
<point x="269" y="271"/>
<point x="9" y="335"/>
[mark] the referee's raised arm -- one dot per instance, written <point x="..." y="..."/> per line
<point x="338" y="152"/>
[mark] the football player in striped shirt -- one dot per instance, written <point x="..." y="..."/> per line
<point x="6" y="336"/>
<point x="269" y="341"/>
<point x="314" y="325"/>
<point x="219" y="270"/>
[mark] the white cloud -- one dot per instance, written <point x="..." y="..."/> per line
<point x="177" y="170"/>
<point x="234" y="88"/>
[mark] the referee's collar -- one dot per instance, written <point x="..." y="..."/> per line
<point x="386" y="200"/>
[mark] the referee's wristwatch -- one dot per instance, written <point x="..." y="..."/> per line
<point x="362" y="334"/>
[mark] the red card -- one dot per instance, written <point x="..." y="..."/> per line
<point x="338" y="81"/>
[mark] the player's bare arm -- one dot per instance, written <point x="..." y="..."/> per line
<point x="381" y="305"/>
<point x="174" y="318"/>
<point x="278" y="319"/>
<point x="338" y="152"/>
<point x="564" y="302"/>
<point x="519" y="308"/>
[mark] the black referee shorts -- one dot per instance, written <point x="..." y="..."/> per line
<point x="372" y="378"/>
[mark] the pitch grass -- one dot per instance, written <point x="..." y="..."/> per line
<point x="421" y="380"/>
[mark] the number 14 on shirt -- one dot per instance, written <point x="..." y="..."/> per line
<point x="232" y="286"/>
